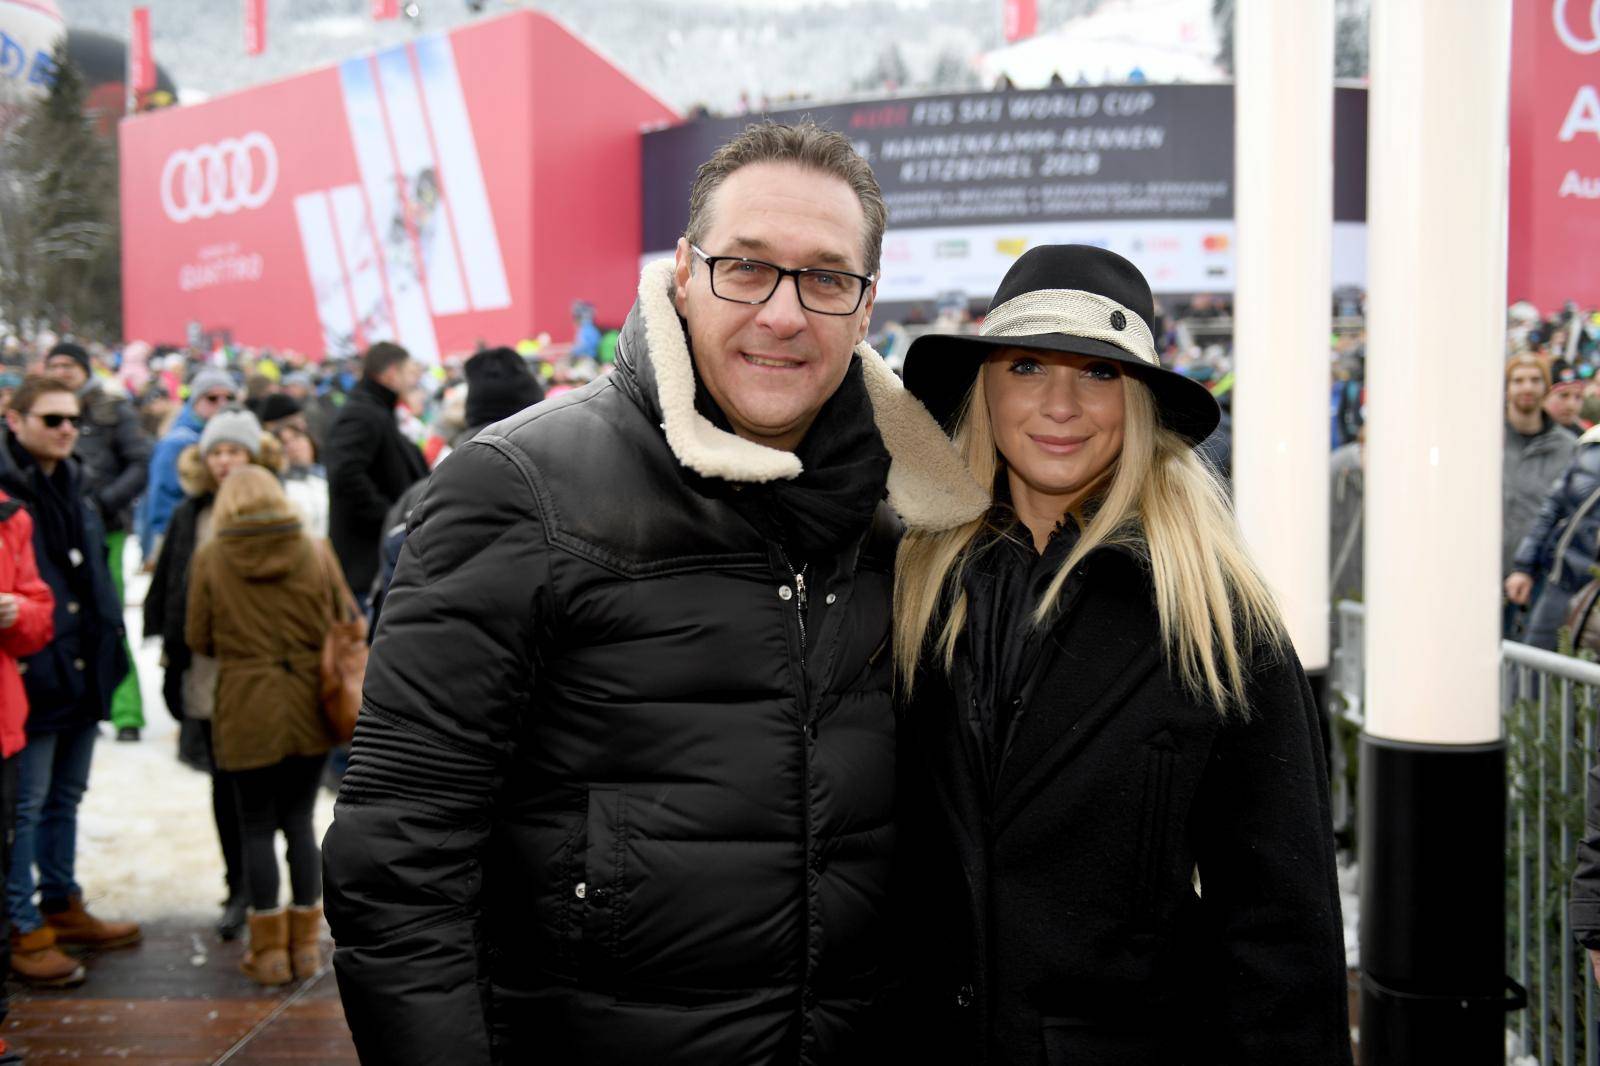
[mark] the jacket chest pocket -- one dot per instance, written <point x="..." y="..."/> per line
<point x="1153" y="854"/>
<point x="598" y="896"/>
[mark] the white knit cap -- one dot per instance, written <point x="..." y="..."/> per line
<point x="233" y="426"/>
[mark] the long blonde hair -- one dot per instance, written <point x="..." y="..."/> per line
<point x="250" y="492"/>
<point x="1215" y="610"/>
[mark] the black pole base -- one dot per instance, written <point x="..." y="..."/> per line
<point x="1432" y="835"/>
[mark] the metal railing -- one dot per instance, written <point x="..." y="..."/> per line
<point x="1549" y="705"/>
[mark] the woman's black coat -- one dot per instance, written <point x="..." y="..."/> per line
<point x="1144" y="881"/>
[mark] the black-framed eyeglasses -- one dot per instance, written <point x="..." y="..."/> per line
<point x="754" y="281"/>
<point x="54" y="421"/>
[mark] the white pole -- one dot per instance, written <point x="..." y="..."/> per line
<point x="1283" y="211"/>
<point x="1433" y="764"/>
<point x="1436" y="247"/>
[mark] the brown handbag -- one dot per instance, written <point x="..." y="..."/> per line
<point x="344" y="660"/>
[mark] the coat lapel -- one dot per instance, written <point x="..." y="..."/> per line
<point x="1099" y="653"/>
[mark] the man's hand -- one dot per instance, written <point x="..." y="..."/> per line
<point x="8" y="610"/>
<point x="1519" y="587"/>
<point x="1594" y="962"/>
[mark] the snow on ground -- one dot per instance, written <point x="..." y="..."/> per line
<point x="1350" y="904"/>
<point x="147" y="846"/>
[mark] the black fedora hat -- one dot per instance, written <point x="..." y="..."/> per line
<point x="1071" y="298"/>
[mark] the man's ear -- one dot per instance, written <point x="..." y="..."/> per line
<point x="866" y="312"/>
<point x="13" y="422"/>
<point x="680" y="276"/>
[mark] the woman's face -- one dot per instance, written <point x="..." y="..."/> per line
<point x="1057" y="419"/>
<point x="296" y="446"/>
<point x="224" y="458"/>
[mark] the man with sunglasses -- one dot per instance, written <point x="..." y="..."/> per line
<point x="69" y="686"/>
<point x="113" y="455"/>
<point x="621" y="791"/>
<point x="210" y="391"/>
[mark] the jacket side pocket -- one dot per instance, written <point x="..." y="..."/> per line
<point x="599" y="894"/>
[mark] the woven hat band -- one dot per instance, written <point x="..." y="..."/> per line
<point x="1076" y="313"/>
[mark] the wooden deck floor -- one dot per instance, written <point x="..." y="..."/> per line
<point x="178" y="999"/>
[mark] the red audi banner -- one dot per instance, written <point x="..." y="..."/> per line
<point x="1555" y="153"/>
<point x="141" y="64"/>
<point x="445" y="192"/>
<point x="255" y="27"/>
<point x="1021" y="19"/>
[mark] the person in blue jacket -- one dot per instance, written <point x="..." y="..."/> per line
<point x="209" y="392"/>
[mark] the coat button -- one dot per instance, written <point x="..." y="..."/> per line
<point x="78" y="664"/>
<point x="582" y="891"/>
<point x="785" y="592"/>
<point x="831" y="599"/>
<point x="964" y="996"/>
<point x="72" y="608"/>
<point x="22" y="668"/>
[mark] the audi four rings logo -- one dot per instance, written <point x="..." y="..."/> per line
<point x="235" y="174"/>
<point x="1586" y="43"/>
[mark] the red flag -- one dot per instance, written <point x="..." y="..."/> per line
<point x="141" y="65"/>
<point x="255" y="27"/>
<point x="1021" y="19"/>
<point x="385" y="9"/>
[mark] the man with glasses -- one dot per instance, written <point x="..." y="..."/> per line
<point x="69" y="686"/>
<point x="114" y="456"/>
<point x="621" y="791"/>
<point x="210" y="391"/>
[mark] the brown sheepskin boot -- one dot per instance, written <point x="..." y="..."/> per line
<point x="305" y="941"/>
<point x="266" y="960"/>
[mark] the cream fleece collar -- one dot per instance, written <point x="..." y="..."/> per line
<point x="929" y="486"/>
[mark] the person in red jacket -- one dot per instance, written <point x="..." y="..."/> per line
<point x="27" y="612"/>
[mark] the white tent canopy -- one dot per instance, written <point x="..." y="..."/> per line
<point x="1160" y="41"/>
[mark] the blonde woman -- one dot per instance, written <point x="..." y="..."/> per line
<point x="261" y="598"/>
<point x="1115" y="806"/>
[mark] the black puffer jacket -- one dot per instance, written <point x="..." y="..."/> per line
<point x="114" y="453"/>
<point x="602" y="805"/>
<point x="1539" y="553"/>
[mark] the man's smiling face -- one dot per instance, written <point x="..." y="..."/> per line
<point x="770" y="367"/>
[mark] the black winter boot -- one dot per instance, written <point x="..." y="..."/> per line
<point x="235" y="912"/>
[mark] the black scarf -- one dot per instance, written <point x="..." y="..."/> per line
<point x="1005" y="581"/>
<point x="846" y="469"/>
<point x="57" y="514"/>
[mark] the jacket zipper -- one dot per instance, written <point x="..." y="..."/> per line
<point x="799" y="597"/>
<point x="808" y="733"/>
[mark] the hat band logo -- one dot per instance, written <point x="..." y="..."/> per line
<point x="232" y="175"/>
<point x="1584" y="46"/>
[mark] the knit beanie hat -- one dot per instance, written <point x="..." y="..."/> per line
<point x="233" y="426"/>
<point x="74" y="352"/>
<point x="499" y="385"/>
<point x="211" y="379"/>
<point x="276" y="407"/>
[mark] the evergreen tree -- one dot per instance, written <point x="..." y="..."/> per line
<point x="60" y="247"/>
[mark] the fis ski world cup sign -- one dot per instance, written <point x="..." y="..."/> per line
<point x="1555" y="153"/>
<point x="391" y="198"/>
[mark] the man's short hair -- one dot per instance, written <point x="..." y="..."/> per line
<point x="804" y="144"/>
<point x="1522" y="359"/>
<point x="380" y="357"/>
<point x="33" y="387"/>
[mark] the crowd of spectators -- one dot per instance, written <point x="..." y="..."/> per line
<point x="228" y="475"/>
